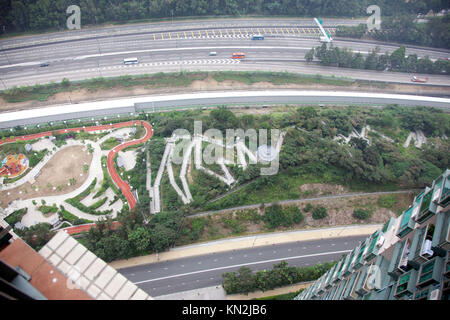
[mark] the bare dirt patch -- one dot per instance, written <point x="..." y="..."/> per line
<point x="66" y="166"/>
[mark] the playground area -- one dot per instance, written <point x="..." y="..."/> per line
<point x="13" y="165"/>
<point x="63" y="173"/>
<point x="69" y="175"/>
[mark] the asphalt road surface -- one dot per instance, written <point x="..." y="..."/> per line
<point x="284" y="47"/>
<point x="204" y="271"/>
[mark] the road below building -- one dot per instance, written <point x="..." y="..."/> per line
<point x="206" y="270"/>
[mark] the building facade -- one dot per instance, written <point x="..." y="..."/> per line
<point x="407" y="259"/>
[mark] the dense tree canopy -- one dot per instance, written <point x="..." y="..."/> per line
<point x="395" y="61"/>
<point x="51" y="14"/>
<point x="405" y="29"/>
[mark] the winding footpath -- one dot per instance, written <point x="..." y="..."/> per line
<point x="124" y="186"/>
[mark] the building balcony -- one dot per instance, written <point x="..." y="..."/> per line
<point x="430" y="272"/>
<point x="345" y="264"/>
<point x="376" y="243"/>
<point x="351" y="287"/>
<point x="399" y="261"/>
<point x="328" y="282"/>
<point x="441" y="238"/>
<point x="341" y="289"/>
<point x="408" y="221"/>
<point x="406" y="284"/>
<point x="333" y="293"/>
<point x="363" y="249"/>
<point x="431" y="292"/>
<point x="421" y="246"/>
<point x="349" y="267"/>
<point x="321" y="282"/>
<point x="427" y="208"/>
<point x="444" y="197"/>
<point x="335" y="276"/>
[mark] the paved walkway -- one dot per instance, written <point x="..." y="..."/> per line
<point x="294" y="201"/>
<point x="218" y="293"/>
<point x="269" y="293"/>
<point x="124" y="186"/>
<point x="247" y="242"/>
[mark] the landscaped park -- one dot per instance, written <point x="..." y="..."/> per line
<point x="146" y="186"/>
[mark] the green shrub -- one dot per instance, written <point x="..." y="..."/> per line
<point x="387" y="201"/>
<point x="361" y="214"/>
<point x="16" y="216"/>
<point x="308" y="207"/>
<point x="319" y="213"/>
<point x="48" y="209"/>
<point x="281" y="275"/>
<point x="273" y="216"/>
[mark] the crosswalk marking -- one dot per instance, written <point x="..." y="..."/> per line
<point x="238" y="33"/>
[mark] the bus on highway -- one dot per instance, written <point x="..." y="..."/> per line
<point x="130" y="61"/>
<point x="257" y="37"/>
<point x="238" y="55"/>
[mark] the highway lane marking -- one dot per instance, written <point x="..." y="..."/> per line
<point x="242" y="264"/>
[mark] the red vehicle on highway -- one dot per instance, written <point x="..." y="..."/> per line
<point x="238" y="55"/>
<point x="415" y="79"/>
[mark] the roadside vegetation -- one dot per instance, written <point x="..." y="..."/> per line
<point x="432" y="32"/>
<point x="245" y="281"/>
<point x="42" y="92"/>
<point x="395" y="61"/>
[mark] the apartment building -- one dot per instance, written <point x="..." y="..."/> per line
<point x="407" y="259"/>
